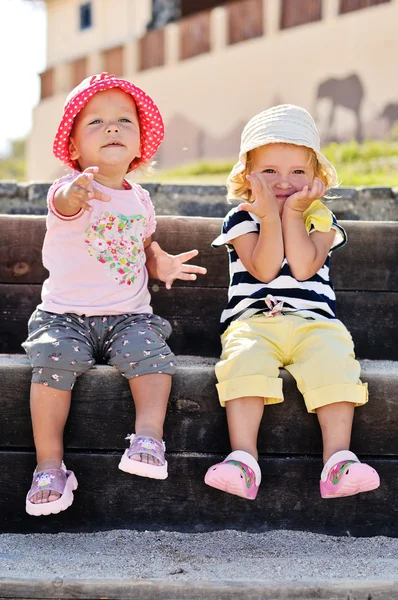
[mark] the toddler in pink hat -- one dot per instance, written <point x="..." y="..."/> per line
<point x="95" y="304"/>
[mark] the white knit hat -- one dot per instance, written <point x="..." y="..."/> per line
<point x="287" y="124"/>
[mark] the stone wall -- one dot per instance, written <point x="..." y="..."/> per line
<point x="362" y="203"/>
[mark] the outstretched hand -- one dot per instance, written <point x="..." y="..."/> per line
<point x="300" y="201"/>
<point x="171" y="267"/>
<point x="81" y="190"/>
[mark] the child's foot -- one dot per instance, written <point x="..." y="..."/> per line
<point x="145" y="457"/>
<point x="344" y="475"/>
<point x="238" y="474"/>
<point x="51" y="491"/>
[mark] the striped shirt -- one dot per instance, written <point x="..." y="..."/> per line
<point x="313" y="298"/>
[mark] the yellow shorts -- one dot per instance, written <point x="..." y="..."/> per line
<point x="319" y="355"/>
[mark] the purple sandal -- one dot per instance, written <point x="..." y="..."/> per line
<point x="140" y="444"/>
<point x="55" y="480"/>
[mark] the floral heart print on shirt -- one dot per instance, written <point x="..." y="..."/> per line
<point x="117" y="241"/>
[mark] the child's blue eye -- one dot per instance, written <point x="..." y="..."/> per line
<point x="268" y="171"/>
<point x="95" y="121"/>
<point x="125" y="120"/>
<point x="298" y="172"/>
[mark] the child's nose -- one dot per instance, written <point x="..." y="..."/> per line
<point x="283" y="182"/>
<point x="113" y="128"/>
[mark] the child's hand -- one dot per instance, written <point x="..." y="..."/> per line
<point x="169" y="267"/>
<point x="264" y="203"/>
<point x="81" y="190"/>
<point x="300" y="201"/>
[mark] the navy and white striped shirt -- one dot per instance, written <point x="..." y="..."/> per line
<point x="313" y="298"/>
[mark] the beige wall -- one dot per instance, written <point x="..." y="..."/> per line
<point x="114" y="22"/>
<point x="206" y="100"/>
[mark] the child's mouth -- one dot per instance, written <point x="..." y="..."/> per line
<point x="111" y="144"/>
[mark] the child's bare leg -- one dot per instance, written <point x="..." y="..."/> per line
<point x="335" y="421"/>
<point x="239" y="473"/>
<point x="49" y="410"/>
<point x="244" y="417"/>
<point x="151" y="395"/>
<point x="343" y="474"/>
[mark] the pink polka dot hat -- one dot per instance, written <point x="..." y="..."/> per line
<point x="151" y="122"/>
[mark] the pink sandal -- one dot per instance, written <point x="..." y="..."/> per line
<point x="238" y="474"/>
<point x="344" y="475"/>
<point x="140" y="444"/>
<point x="55" y="480"/>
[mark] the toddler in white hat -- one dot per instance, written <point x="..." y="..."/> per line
<point x="281" y="304"/>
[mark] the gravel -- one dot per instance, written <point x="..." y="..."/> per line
<point x="272" y="558"/>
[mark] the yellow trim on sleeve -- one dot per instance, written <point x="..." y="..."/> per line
<point x="318" y="216"/>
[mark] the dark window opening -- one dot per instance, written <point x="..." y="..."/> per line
<point x="191" y="7"/>
<point x="85" y="16"/>
<point x="350" y="5"/>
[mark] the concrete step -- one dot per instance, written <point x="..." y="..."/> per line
<point x="219" y="565"/>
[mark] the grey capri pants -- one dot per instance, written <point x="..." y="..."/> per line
<point x="62" y="347"/>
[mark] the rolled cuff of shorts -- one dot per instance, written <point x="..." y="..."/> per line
<point x="268" y="388"/>
<point x="65" y="381"/>
<point x="344" y="392"/>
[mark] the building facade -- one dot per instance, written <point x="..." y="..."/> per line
<point x="212" y="65"/>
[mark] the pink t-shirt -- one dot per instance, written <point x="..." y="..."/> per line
<point x="96" y="260"/>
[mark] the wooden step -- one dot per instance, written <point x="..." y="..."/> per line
<point x="102" y="412"/>
<point x="367" y="295"/>
<point x="195" y="314"/>
<point x="288" y="498"/>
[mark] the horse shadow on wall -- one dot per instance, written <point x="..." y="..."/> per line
<point x="390" y="114"/>
<point x="347" y="92"/>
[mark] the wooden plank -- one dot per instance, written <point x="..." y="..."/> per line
<point x="368" y="262"/>
<point x="195" y="312"/>
<point x="102" y="412"/>
<point x="158" y="589"/>
<point x="289" y="498"/>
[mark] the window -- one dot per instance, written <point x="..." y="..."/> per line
<point x="245" y="20"/>
<point x="112" y="60"/>
<point x="350" y="5"/>
<point x="85" y="16"/>
<point x="191" y="7"/>
<point x="194" y="32"/>
<point x="78" y="71"/>
<point x="299" y="12"/>
<point x="151" y="53"/>
<point x="47" y="84"/>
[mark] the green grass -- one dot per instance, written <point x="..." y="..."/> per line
<point x="369" y="163"/>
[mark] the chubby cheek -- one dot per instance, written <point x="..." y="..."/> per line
<point x="300" y="183"/>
